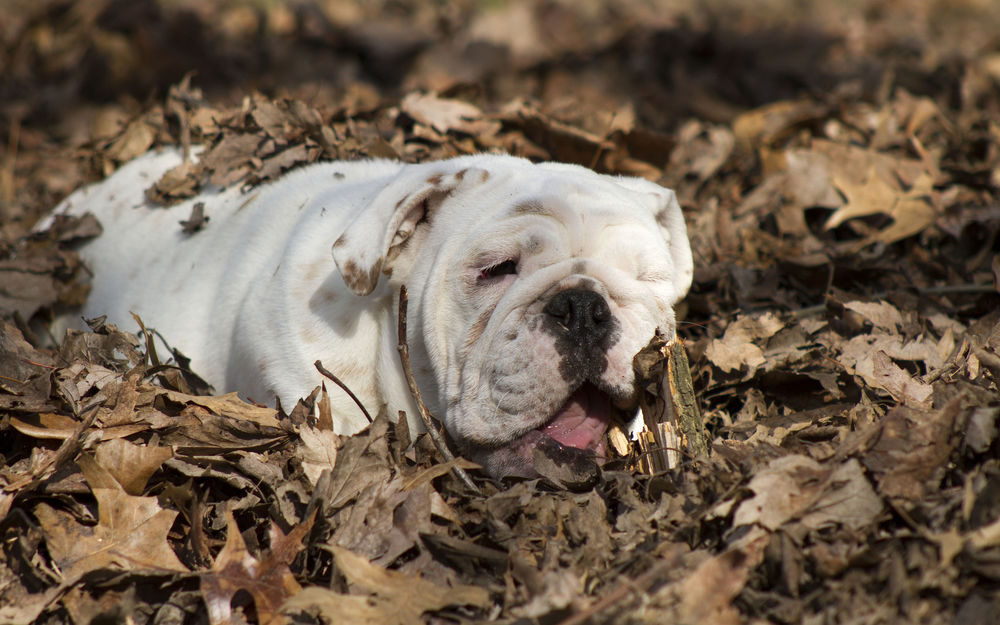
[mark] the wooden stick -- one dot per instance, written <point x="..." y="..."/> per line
<point x="684" y="399"/>
<point x="432" y="431"/>
<point x="674" y="426"/>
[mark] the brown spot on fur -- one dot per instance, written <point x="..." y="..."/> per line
<point x="530" y="207"/>
<point x="308" y="334"/>
<point x="435" y="179"/>
<point x="662" y="219"/>
<point x="460" y="174"/>
<point x="314" y="270"/>
<point x="247" y="202"/>
<point x="533" y="245"/>
<point x="476" y="329"/>
<point x="359" y="280"/>
<point x="342" y="241"/>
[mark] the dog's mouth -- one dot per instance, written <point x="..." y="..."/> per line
<point x="574" y="434"/>
<point x="582" y="421"/>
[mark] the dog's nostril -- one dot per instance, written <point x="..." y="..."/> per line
<point x="580" y="312"/>
<point x="600" y="311"/>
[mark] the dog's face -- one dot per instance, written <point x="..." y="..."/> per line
<point x="533" y="286"/>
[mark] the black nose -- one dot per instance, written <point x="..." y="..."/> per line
<point x="581" y="314"/>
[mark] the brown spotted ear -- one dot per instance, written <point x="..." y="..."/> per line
<point x="391" y="218"/>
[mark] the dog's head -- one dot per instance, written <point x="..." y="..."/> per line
<point x="532" y="287"/>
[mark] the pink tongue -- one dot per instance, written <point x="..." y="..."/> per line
<point x="583" y="419"/>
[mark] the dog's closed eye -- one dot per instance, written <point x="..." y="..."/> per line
<point x="505" y="268"/>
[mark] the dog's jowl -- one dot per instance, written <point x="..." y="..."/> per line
<point x="531" y="288"/>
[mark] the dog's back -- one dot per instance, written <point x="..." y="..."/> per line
<point x="190" y="286"/>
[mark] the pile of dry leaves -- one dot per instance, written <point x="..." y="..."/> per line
<point x="839" y="167"/>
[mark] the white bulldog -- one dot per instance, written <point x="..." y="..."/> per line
<point x="531" y="288"/>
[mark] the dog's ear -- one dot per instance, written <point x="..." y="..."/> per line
<point x="373" y="239"/>
<point x="667" y="212"/>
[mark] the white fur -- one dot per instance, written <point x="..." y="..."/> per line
<point x="256" y="296"/>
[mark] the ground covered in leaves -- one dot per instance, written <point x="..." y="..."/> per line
<point x="839" y="166"/>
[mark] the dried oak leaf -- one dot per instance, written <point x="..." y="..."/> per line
<point x="736" y="349"/>
<point x="25" y="381"/>
<point x="269" y="581"/>
<point x="880" y="314"/>
<point x="36" y="276"/>
<point x="912" y="451"/>
<point x="230" y="160"/>
<point x="178" y="183"/>
<point x="228" y="405"/>
<point x="131" y="534"/>
<point x="135" y="140"/>
<point x="131" y="465"/>
<point x="362" y="461"/>
<point x="391" y="597"/>
<point x="444" y="115"/>
<point x="800" y="492"/>
<point x="909" y="210"/>
<point x="871" y="357"/>
<point x="70" y="228"/>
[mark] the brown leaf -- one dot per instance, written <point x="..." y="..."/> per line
<point x="34" y="278"/>
<point x="229" y="160"/>
<point x="131" y="465"/>
<point x="228" y="405"/>
<point x="131" y="534"/>
<point x="700" y="151"/>
<point x="797" y="489"/>
<point x="445" y="115"/>
<point x="178" y="183"/>
<point x="286" y="159"/>
<point x="910" y="212"/>
<point x="70" y="228"/>
<point x="706" y="595"/>
<point x="318" y="452"/>
<point x="196" y="221"/>
<point x="363" y="460"/>
<point x="871" y="358"/>
<point x="135" y="140"/>
<point x="269" y="581"/>
<point x="270" y="118"/>
<point x="736" y="349"/>
<point x="773" y="122"/>
<point x="881" y="314"/>
<point x="390" y="597"/>
<point x="909" y="458"/>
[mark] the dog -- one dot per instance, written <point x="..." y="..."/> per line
<point x="531" y="287"/>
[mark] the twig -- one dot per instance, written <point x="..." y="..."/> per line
<point x="337" y="381"/>
<point x="404" y="358"/>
